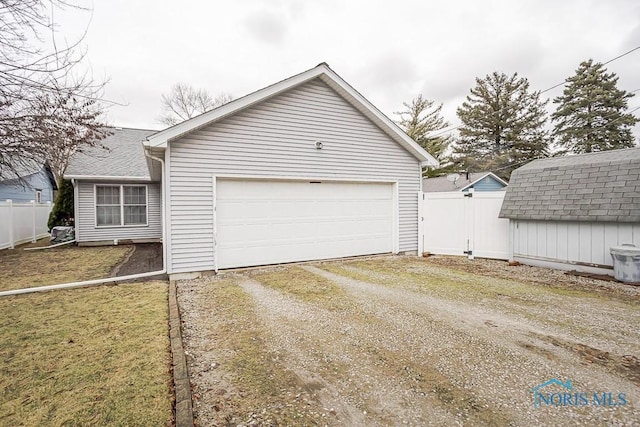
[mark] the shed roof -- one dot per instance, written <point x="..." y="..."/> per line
<point x="442" y="184"/>
<point x="119" y="155"/>
<point x="603" y="186"/>
<point x="321" y="71"/>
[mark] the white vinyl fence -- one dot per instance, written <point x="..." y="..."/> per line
<point x="22" y="222"/>
<point x="459" y="223"/>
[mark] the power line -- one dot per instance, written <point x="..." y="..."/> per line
<point x="445" y="131"/>
<point x="604" y="63"/>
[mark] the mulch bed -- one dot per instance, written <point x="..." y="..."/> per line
<point x="145" y="257"/>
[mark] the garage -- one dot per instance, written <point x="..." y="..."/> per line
<point x="262" y="222"/>
<point x="304" y="169"/>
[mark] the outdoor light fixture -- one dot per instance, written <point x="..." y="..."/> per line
<point x="319" y="145"/>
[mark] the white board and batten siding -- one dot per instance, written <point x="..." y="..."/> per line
<point x="276" y="140"/>
<point x="583" y="246"/>
<point x="86" y="216"/>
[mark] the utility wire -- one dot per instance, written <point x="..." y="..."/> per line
<point x="444" y="131"/>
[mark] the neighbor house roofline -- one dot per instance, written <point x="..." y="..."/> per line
<point x="493" y="175"/>
<point x="327" y="75"/>
<point x="108" y="178"/>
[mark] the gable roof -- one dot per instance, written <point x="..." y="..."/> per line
<point x="603" y="186"/>
<point x="20" y="168"/>
<point x="120" y="155"/>
<point x="442" y="184"/>
<point x="327" y="75"/>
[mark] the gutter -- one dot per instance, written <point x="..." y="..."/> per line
<point x="87" y="283"/>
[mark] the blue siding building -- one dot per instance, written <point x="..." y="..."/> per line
<point x="479" y="181"/>
<point x="35" y="183"/>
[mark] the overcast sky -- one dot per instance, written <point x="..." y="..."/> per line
<point x="390" y="51"/>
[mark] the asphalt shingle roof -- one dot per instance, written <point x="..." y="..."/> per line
<point x="120" y="154"/>
<point x="21" y="168"/>
<point x="603" y="186"/>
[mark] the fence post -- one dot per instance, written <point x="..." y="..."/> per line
<point x="471" y="229"/>
<point x="11" y="242"/>
<point x="33" y="222"/>
<point x="49" y="207"/>
<point x="420" y="223"/>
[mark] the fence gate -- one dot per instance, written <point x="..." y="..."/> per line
<point x="459" y="223"/>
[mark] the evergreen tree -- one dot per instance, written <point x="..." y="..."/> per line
<point x="503" y="126"/>
<point x="62" y="212"/>
<point x="591" y="115"/>
<point x="419" y="120"/>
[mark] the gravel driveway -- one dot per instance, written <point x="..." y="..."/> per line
<point x="410" y="341"/>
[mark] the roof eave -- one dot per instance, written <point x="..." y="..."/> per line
<point x="161" y="139"/>
<point x="108" y="178"/>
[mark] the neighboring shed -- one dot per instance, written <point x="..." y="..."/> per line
<point x="567" y="212"/>
<point x="303" y="169"/>
<point x="30" y="181"/>
<point x="116" y="190"/>
<point x="479" y="181"/>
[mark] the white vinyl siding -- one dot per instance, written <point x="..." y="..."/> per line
<point x="276" y="138"/>
<point x="88" y="231"/>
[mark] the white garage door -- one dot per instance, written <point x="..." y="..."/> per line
<point x="269" y="222"/>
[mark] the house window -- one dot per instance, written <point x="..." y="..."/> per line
<point x="135" y="205"/>
<point x="38" y="196"/>
<point x="119" y="205"/>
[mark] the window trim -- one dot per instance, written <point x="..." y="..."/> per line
<point x="122" y="204"/>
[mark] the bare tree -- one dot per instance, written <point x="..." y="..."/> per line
<point x="47" y="111"/>
<point x="184" y="102"/>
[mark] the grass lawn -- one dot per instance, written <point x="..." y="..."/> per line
<point x="90" y="356"/>
<point x="25" y="269"/>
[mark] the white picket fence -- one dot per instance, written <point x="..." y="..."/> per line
<point x="22" y="222"/>
<point x="456" y="223"/>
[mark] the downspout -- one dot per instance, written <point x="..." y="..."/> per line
<point x="81" y="284"/>
<point x="110" y="279"/>
<point x="162" y="207"/>
<point x="76" y="208"/>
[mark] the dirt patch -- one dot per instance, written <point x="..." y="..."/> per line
<point x="627" y="365"/>
<point x="143" y="258"/>
<point x="398" y="340"/>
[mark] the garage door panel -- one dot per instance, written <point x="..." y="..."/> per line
<point x="266" y="222"/>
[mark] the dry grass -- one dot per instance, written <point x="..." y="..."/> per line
<point x="448" y="282"/>
<point x="303" y="285"/>
<point x="92" y="356"/>
<point x="22" y="269"/>
<point x="259" y="384"/>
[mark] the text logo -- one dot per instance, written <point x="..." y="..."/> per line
<point x="568" y="396"/>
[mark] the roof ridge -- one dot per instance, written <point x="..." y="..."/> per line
<point x="130" y="128"/>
